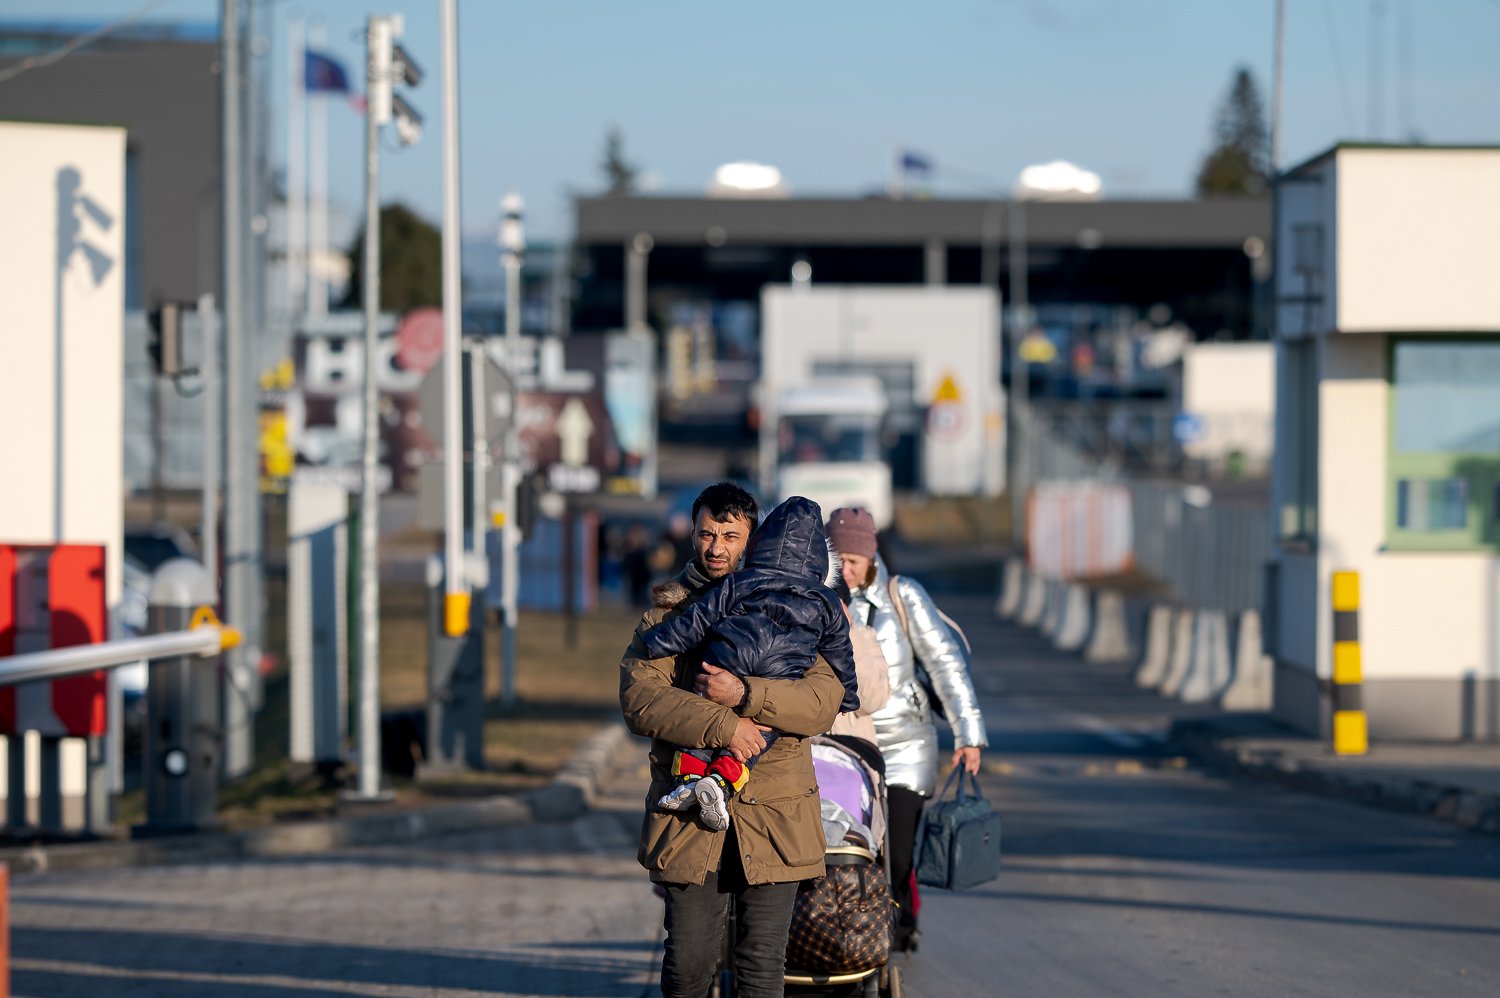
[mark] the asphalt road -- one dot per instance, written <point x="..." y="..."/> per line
<point x="1126" y="874"/>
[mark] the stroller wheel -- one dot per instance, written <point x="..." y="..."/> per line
<point x="893" y="982"/>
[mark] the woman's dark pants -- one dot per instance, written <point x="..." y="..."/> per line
<point x="903" y="814"/>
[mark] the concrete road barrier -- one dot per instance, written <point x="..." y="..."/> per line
<point x="1157" y="658"/>
<point x="1180" y="662"/>
<point x="1208" y="674"/>
<point x="1073" y="622"/>
<point x="1012" y="588"/>
<point x="1109" y="641"/>
<point x="1250" y="690"/>
<point x="1034" y="604"/>
<point x="1051" y="609"/>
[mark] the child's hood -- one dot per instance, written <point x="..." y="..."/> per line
<point x="791" y="539"/>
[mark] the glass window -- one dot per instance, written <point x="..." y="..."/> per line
<point x="825" y="437"/>
<point x="1447" y="397"/>
<point x="1444" y="461"/>
<point x="1297" y="430"/>
<point x="1432" y="503"/>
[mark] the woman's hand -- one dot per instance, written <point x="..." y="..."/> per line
<point x="967" y="757"/>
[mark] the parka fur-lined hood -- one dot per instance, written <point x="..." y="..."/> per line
<point x="670" y="593"/>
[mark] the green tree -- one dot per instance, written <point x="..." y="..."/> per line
<point x="411" y="262"/>
<point x="1238" y="164"/>
<point x="619" y="173"/>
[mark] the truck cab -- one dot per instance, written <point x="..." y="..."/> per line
<point x="821" y="439"/>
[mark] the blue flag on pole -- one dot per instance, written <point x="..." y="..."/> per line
<point x="323" y="74"/>
<point x="914" y="163"/>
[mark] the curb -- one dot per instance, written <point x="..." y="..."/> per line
<point x="570" y="793"/>
<point x="1475" y="811"/>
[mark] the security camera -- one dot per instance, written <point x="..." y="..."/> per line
<point x="405" y="66"/>
<point x="408" y="121"/>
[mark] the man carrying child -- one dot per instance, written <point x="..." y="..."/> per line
<point x="774" y="837"/>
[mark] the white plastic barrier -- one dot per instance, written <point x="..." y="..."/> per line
<point x="1180" y="663"/>
<point x="1208" y="673"/>
<point x="1073" y="623"/>
<point x="1079" y="529"/>
<point x="1013" y="587"/>
<point x="1157" y="659"/>
<point x="1109" y="640"/>
<point x="1034" y="604"/>
<point x="1251" y="689"/>
<point x="1052" y="610"/>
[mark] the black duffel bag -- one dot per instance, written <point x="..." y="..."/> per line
<point x="958" y="844"/>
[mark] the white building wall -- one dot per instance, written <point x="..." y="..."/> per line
<point x="1408" y="245"/>
<point x="1416" y="246"/>
<point x="1232" y="388"/>
<point x="1422" y="615"/>
<point x="61" y="319"/>
<point x="946" y="333"/>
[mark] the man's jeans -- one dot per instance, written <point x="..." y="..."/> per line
<point x="697" y="918"/>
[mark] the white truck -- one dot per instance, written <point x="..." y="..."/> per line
<point x="825" y="439"/>
<point x="934" y="352"/>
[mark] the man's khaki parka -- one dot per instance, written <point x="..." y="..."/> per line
<point x="776" y="817"/>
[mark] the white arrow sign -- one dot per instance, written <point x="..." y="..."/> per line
<point x="574" y="428"/>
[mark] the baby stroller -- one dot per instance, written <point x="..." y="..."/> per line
<point x="840" y="936"/>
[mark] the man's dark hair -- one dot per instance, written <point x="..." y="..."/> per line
<point x="725" y="501"/>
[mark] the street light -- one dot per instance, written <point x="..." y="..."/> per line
<point x="1055" y="181"/>
<point x="385" y="64"/>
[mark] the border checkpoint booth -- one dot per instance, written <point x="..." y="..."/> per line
<point x="61" y="392"/>
<point x="1384" y="587"/>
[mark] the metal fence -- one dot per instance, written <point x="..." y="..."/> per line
<point x="1211" y="553"/>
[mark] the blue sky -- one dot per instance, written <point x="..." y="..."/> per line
<point x="827" y="89"/>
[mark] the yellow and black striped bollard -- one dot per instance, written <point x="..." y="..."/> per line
<point x="1350" y="731"/>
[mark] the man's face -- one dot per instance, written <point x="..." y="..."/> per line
<point x="719" y="544"/>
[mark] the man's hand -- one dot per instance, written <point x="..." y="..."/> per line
<point x="721" y="686"/>
<point x="968" y="758"/>
<point x="748" y="740"/>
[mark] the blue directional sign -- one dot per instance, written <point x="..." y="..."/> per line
<point x="1187" y="427"/>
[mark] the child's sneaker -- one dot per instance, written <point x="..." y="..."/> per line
<point x="712" y="803"/>
<point x="680" y="797"/>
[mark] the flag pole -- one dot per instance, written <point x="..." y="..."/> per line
<point x="296" y="168"/>
<point x="317" y="163"/>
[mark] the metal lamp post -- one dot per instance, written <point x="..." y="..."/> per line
<point x="385" y="62"/>
<point x="512" y="250"/>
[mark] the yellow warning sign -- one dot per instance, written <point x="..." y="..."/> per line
<point x="947" y="391"/>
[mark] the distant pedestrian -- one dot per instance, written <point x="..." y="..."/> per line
<point x="635" y="565"/>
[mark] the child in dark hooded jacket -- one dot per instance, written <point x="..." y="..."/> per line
<point x="772" y="620"/>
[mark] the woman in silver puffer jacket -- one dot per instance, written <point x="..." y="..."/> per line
<point x="904" y="728"/>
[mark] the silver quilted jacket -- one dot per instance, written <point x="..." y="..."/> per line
<point x="903" y="727"/>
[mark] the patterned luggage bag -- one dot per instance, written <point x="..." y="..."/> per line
<point x="841" y="923"/>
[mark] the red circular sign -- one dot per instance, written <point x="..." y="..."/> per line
<point x="419" y="339"/>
